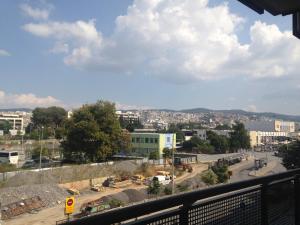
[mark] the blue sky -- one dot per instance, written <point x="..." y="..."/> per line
<point x="174" y="54"/>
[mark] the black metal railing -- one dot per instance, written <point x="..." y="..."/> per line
<point x="269" y="200"/>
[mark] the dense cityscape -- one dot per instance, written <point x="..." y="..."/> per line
<point x="158" y="112"/>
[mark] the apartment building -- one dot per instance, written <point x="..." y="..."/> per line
<point x="16" y="121"/>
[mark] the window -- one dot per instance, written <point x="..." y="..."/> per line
<point x="14" y="154"/>
<point x="4" y="154"/>
<point x="133" y="140"/>
<point x="151" y="140"/>
<point x="142" y="140"/>
<point x="156" y="140"/>
<point x="168" y="139"/>
<point x="146" y="140"/>
<point x="137" y="140"/>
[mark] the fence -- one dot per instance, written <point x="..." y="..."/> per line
<point x="270" y="200"/>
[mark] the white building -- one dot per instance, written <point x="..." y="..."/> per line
<point x="16" y="121"/>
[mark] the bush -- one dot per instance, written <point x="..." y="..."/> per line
<point x="168" y="190"/>
<point x="154" y="155"/>
<point x="114" y="203"/>
<point x="7" y="167"/>
<point x="222" y="173"/>
<point x="209" y="177"/>
<point x="154" y="187"/>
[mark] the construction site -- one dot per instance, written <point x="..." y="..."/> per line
<point x="38" y="197"/>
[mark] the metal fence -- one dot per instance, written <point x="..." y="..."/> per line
<point x="270" y="200"/>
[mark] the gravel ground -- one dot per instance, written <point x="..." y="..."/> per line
<point x="50" y="194"/>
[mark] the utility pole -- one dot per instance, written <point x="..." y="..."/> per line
<point x="41" y="147"/>
<point x="173" y="170"/>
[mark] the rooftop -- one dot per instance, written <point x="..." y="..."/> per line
<point x="278" y="7"/>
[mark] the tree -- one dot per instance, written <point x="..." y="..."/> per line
<point x="222" y="173"/>
<point x="93" y="133"/>
<point x="209" y="177"/>
<point x="219" y="142"/>
<point x="198" y="145"/>
<point x="154" y="187"/>
<point x="51" y="120"/>
<point x="49" y="117"/>
<point x="291" y="155"/>
<point x="5" y="126"/>
<point x="223" y="127"/>
<point x="130" y="125"/>
<point x="154" y="155"/>
<point x="239" y="137"/>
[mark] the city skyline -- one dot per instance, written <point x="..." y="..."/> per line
<point x="163" y="54"/>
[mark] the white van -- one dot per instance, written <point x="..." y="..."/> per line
<point x="11" y="157"/>
<point x="164" y="180"/>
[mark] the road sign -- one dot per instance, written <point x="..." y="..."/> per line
<point x="69" y="206"/>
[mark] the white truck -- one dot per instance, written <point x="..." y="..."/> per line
<point x="164" y="180"/>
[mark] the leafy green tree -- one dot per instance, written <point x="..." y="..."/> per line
<point x="239" y="137"/>
<point x="5" y="126"/>
<point x="219" y="142"/>
<point x="49" y="117"/>
<point x="291" y="155"/>
<point x="154" y="187"/>
<point x="198" y="145"/>
<point x="93" y="133"/>
<point x="154" y="155"/>
<point x="209" y="177"/>
<point x="222" y="173"/>
<point x="223" y="127"/>
<point x="130" y="126"/>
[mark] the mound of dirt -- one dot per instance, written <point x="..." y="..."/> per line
<point x="135" y="195"/>
<point x="50" y="194"/>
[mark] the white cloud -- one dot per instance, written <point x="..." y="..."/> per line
<point x="120" y="106"/>
<point x="35" y="13"/>
<point x="27" y="100"/>
<point x="179" y="40"/>
<point x="4" y="53"/>
<point x="251" y="108"/>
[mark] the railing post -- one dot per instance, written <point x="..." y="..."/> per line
<point x="264" y="205"/>
<point x="297" y="199"/>
<point x="184" y="215"/>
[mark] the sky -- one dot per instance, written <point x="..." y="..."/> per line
<point x="174" y="54"/>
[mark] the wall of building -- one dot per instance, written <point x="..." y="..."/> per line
<point x="145" y="143"/>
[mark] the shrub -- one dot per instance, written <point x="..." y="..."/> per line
<point x="154" y="187"/>
<point x="168" y="190"/>
<point x="222" y="173"/>
<point x="209" y="177"/>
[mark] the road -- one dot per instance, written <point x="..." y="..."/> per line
<point x="242" y="170"/>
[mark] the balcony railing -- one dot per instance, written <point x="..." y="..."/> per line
<point x="269" y="200"/>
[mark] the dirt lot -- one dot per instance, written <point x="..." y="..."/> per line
<point x="53" y="214"/>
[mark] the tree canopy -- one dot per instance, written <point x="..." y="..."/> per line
<point x="239" y="137"/>
<point x="48" y="117"/>
<point x="219" y="142"/>
<point x="291" y="155"/>
<point x="5" y="126"/>
<point x="94" y="133"/>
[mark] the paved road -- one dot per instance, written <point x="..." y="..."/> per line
<point x="242" y="172"/>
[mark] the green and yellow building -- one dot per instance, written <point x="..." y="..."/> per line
<point x="145" y="143"/>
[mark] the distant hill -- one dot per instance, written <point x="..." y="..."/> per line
<point x="16" y="109"/>
<point x="245" y="113"/>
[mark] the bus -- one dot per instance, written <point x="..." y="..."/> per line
<point x="10" y="156"/>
